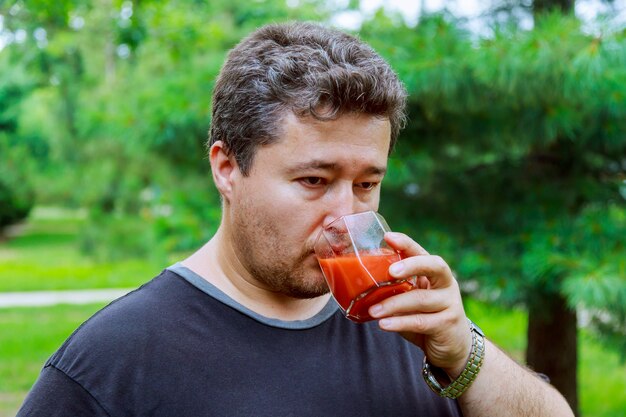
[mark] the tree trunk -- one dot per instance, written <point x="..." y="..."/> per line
<point x="110" y="60"/>
<point x="542" y="6"/>
<point x="552" y="344"/>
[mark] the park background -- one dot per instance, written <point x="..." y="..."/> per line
<point x="512" y="165"/>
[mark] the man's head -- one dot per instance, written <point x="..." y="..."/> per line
<point x="303" y="122"/>
<point x="301" y="68"/>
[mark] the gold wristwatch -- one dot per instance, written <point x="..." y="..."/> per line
<point x="457" y="387"/>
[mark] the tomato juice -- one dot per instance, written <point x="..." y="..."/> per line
<point x="358" y="282"/>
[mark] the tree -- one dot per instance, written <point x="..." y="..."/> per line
<point x="16" y="193"/>
<point x="543" y="6"/>
<point x="512" y="166"/>
<point x="123" y="102"/>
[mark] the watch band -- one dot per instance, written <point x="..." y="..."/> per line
<point x="457" y="387"/>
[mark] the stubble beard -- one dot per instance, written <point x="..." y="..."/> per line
<point x="257" y="243"/>
<point x="290" y="280"/>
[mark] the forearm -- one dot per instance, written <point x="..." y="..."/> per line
<point x="504" y="388"/>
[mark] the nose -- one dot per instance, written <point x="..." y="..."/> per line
<point x="340" y="202"/>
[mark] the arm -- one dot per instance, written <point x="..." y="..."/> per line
<point x="505" y="388"/>
<point x="432" y="317"/>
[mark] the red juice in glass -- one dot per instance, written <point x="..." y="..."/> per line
<point x="355" y="261"/>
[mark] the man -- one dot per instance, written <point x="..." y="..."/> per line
<point x="303" y="121"/>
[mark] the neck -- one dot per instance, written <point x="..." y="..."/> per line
<point x="218" y="263"/>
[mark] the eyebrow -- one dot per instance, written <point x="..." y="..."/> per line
<point x="331" y="166"/>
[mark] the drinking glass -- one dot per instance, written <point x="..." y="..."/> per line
<point x="355" y="261"/>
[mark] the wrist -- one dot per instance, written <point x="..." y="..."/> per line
<point x="454" y="371"/>
<point x="455" y="387"/>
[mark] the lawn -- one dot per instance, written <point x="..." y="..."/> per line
<point x="28" y="336"/>
<point x="45" y="256"/>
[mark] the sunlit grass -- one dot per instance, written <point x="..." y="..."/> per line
<point x="18" y="276"/>
<point x="504" y="327"/>
<point x="601" y="380"/>
<point x="44" y="255"/>
<point x="28" y="336"/>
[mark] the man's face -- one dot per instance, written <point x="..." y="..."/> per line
<point x="315" y="173"/>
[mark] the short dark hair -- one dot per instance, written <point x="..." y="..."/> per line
<point x="306" y="68"/>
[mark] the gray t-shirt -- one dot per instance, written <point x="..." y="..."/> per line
<point x="178" y="346"/>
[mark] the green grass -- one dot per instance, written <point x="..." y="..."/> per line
<point x="28" y="336"/>
<point x="504" y="327"/>
<point x="601" y="380"/>
<point x="45" y="256"/>
<point x="18" y="276"/>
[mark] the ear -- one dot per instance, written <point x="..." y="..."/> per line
<point x="224" y="169"/>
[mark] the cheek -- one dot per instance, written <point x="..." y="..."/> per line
<point x="280" y="206"/>
<point x="276" y="199"/>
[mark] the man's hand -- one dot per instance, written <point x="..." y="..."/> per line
<point x="430" y="316"/>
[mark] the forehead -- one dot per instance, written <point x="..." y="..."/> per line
<point x="350" y="140"/>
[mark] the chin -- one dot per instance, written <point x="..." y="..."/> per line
<point x="310" y="288"/>
<point x="307" y="293"/>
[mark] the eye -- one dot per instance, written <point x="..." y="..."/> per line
<point x="313" y="181"/>
<point x="367" y="185"/>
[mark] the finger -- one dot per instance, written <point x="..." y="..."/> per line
<point x="425" y="323"/>
<point x="437" y="323"/>
<point x="404" y="244"/>
<point x="432" y="267"/>
<point x="422" y="283"/>
<point x="417" y="300"/>
<point x="446" y="333"/>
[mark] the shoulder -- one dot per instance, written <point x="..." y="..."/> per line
<point x="129" y="321"/>
<point x="123" y="353"/>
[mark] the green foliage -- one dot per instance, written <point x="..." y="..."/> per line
<point x="514" y="160"/>
<point x="14" y="203"/>
<point x="123" y="106"/>
<point x="16" y="194"/>
<point x="45" y="256"/>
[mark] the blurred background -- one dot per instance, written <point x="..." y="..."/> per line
<point x="512" y="165"/>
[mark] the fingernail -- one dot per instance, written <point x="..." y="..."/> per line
<point x="396" y="268"/>
<point x="376" y="310"/>
<point x="385" y="323"/>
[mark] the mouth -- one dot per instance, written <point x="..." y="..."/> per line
<point x="313" y="258"/>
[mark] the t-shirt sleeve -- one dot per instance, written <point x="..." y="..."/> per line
<point x="57" y="395"/>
